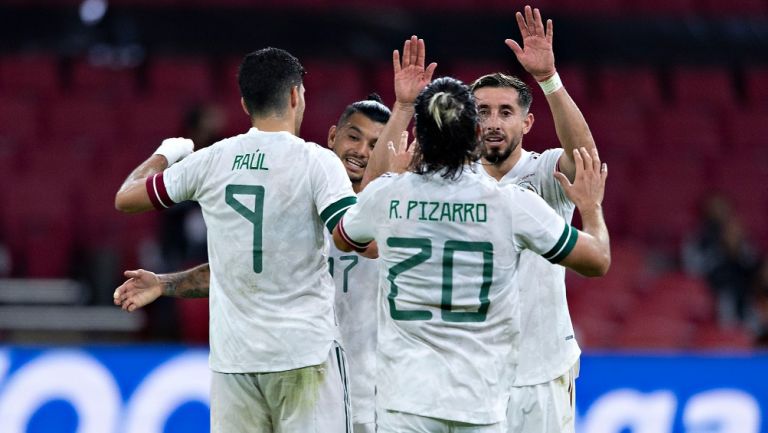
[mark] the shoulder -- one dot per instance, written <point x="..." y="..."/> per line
<point x="383" y="182"/>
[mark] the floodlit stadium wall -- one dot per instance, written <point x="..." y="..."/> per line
<point x="164" y="389"/>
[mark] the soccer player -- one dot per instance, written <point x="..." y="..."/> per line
<point x="449" y="240"/>
<point x="542" y="399"/>
<point x="267" y="197"/>
<point x="352" y="139"/>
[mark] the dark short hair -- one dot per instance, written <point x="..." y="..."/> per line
<point x="372" y="108"/>
<point x="446" y="127"/>
<point x="265" y="78"/>
<point x="500" y="80"/>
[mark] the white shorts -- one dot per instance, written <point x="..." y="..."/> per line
<point x="311" y="399"/>
<point x="389" y="421"/>
<point x="545" y="408"/>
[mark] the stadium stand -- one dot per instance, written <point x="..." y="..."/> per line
<point x="70" y="130"/>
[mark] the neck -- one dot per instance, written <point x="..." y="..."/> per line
<point x="275" y="124"/>
<point x="356" y="186"/>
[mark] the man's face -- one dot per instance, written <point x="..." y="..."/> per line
<point x="353" y="141"/>
<point x="502" y="121"/>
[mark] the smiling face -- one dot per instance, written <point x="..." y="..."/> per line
<point x="352" y="142"/>
<point x="503" y="123"/>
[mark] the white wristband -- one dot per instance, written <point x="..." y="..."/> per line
<point x="551" y="84"/>
<point x="175" y="149"/>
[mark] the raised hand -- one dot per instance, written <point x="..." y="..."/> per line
<point x="141" y="288"/>
<point x="400" y="157"/>
<point x="536" y="56"/>
<point x="411" y="76"/>
<point x="588" y="187"/>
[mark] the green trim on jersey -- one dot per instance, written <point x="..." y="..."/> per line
<point x="564" y="245"/>
<point x="333" y="213"/>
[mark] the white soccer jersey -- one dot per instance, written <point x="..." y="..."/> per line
<point x="448" y="253"/>
<point x="357" y="282"/>
<point x="266" y="197"/>
<point x="547" y="344"/>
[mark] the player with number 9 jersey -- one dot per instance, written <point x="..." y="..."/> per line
<point x="266" y="199"/>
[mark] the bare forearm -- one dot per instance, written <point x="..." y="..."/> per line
<point x="571" y="128"/>
<point x="593" y="224"/>
<point x="378" y="163"/>
<point x="132" y="191"/>
<point x="192" y="283"/>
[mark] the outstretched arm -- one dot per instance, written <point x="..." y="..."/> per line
<point x="591" y="256"/>
<point x="411" y="77"/>
<point x="537" y="57"/>
<point x="132" y="196"/>
<point x="144" y="287"/>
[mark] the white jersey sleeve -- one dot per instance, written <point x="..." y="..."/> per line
<point x="181" y="181"/>
<point x="331" y="187"/>
<point x="540" y="228"/>
<point x="356" y="226"/>
<point x="550" y="189"/>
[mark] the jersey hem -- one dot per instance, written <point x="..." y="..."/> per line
<point x="538" y="380"/>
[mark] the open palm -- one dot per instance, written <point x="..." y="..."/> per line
<point x="536" y="55"/>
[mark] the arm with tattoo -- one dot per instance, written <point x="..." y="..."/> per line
<point x="143" y="287"/>
<point x="192" y="283"/>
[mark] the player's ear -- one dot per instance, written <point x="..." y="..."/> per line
<point x="331" y="136"/>
<point x="295" y="96"/>
<point x="528" y="123"/>
<point x="245" y="107"/>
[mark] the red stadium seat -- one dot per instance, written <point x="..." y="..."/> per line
<point x="29" y="75"/>
<point x="713" y="337"/>
<point x="676" y="295"/>
<point x="645" y="331"/>
<point x="663" y="206"/>
<point x="738" y="178"/>
<point x="686" y="134"/>
<point x="183" y="79"/>
<point x="697" y="86"/>
<point x="147" y="121"/>
<point x="330" y="87"/>
<point x="82" y="119"/>
<point x="631" y="87"/>
<point x="746" y="132"/>
<point x="756" y="86"/>
<point x="618" y="133"/>
<point x="103" y="82"/>
<point x="575" y="81"/>
<point x="38" y="224"/>
<point x="193" y="315"/>
<point x="20" y="121"/>
<point x="594" y="332"/>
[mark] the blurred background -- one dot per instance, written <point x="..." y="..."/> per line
<point x="675" y="92"/>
